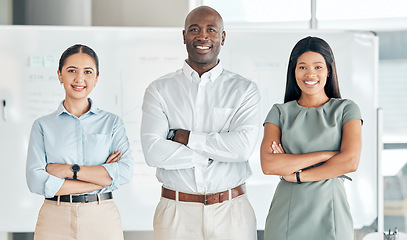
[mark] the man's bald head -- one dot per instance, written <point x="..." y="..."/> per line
<point x="203" y="11"/>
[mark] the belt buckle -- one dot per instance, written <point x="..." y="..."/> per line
<point x="205" y="199"/>
<point x="85" y="198"/>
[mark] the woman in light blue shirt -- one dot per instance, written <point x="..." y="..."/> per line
<point x="77" y="156"/>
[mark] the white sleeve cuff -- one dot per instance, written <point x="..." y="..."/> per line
<point x="197" y="141"/>
<point x="199" y="160"/>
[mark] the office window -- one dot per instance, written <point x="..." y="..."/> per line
<point x="296" y="14"/>
<point x="360" y="9"/>
<point x="263" y="13"/>
<point x="262" y="10"/>
<point x="392" y="89"/>
<point x="361" y="14"/>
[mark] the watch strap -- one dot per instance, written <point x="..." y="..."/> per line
<point x="75" y="168"/>
<point x="297" y="174"/>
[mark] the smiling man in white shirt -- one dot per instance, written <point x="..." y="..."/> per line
<point x="200" y="125"/>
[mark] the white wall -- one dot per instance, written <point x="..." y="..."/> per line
<point x="31" y="90"/>
<point x="151" y="13"/>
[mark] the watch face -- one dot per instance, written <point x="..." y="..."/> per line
<point x="75" y="167"/>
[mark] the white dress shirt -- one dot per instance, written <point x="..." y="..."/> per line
<point x="221" y="109"/>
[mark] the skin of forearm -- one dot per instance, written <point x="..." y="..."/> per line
<point x="77" y="187"/>
<point x="92" y="174"/>
<point x="286" y="164"/>
<point x="346" y="161"/>
<point x="339" y="165"/>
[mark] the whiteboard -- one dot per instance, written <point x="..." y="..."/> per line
<point x="130" y="59"/>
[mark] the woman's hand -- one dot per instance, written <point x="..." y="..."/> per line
<point x="290" y="178"/>
<point x="114" y="157"/>
<point x="277" y="148"/>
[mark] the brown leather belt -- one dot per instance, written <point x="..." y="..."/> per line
<point x="206" y="199"/>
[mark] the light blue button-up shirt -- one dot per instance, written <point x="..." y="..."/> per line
<point x="61" y="137"/>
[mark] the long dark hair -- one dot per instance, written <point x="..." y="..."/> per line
<point x="318" y="45"/>
<point x="78" y="48"/>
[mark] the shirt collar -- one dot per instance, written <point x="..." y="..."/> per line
<point x="93" y="109"/>
<point x="213" y="74"/>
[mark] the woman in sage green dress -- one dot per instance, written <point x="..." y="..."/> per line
<point x="311" y="141"/>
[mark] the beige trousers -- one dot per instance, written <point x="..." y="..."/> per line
<point x="79" y="221"/>
<point x="230" y="220"/>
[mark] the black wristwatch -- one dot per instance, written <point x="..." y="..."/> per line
<point x="75" y="169"/>
<point x="171" y="134"/>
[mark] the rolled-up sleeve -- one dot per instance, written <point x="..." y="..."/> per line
<point x="38" y="180"/>
<point x="121" y="172"/>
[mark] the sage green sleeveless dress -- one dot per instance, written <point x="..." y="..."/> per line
<point x="314" y="210"/>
